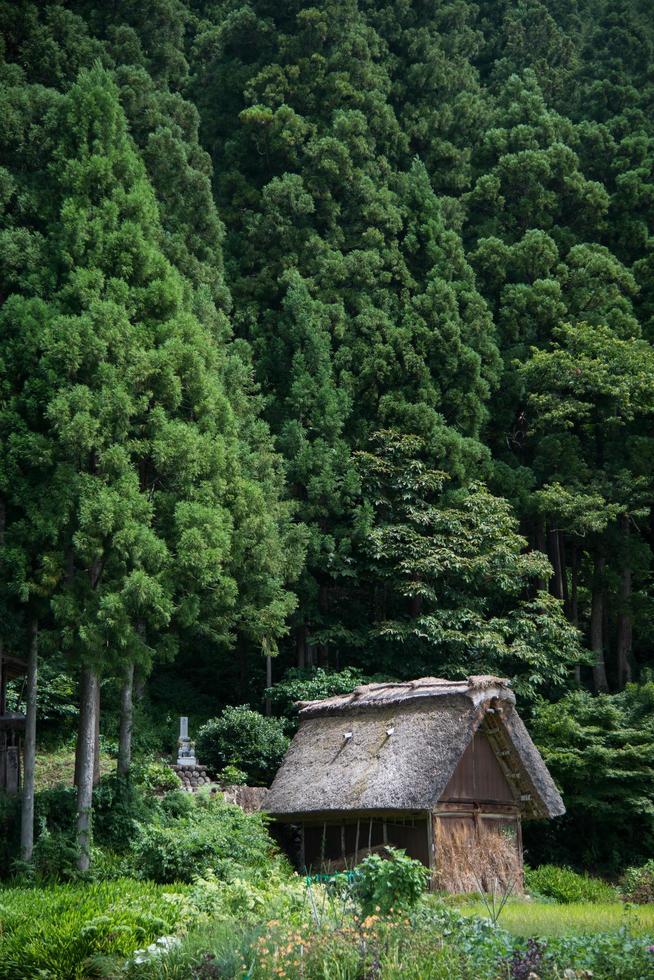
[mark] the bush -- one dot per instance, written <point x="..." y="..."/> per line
<point x="565" y="885"/>
<point x="119" y="806"/>
<point x="246" y="740"/>
<point x="9" y="832"/>
<point x="212" y="836"/>
<point x="55" y="931"/>
<point x="231" y="776"/>
<point x="157" y="777"/>
<point x="313" y="684"/>
<point x="600" y="751"/>
<point x="638" y="884"/>
<point x="394" y="882"/>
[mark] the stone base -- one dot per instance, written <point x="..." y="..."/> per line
<point x="192" y="777"/>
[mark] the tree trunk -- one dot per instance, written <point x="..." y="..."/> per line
<point x="29" y="751"/>
<point x="556" y="582"/>
<point x="597" y="625"/>
<point x="301" y="645"/>
<point x="564" y="568"/>
<point x="625" y="621"/>
<point x="541" y="545"/>
<point x="96" y="739"/>
<point x="268" y="683"/>
<point x="242" y="666"/>
<point x="573" y="599"/>
<point x="126" y="722"/>
<point x="323" y="605"/>
<point x="86" y="756"/>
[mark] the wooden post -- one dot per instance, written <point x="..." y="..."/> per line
<point x="370" y="835"/>
<point x="343" y="841"/>
<point x="29" y="763"/>
<point x="356" y="842"/>
<point x="322" y="846"/>
<point x="431" y="847"/>
<point x="303" y="856"/>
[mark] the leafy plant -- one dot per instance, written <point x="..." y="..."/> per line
<point x="245" y="739"/>
<point x="233" y="776"/>
<point x="394" y="882"/>
<point x="565" y="885"/>
<point x="212" y="835"/>
<point x="313" y="684"/>
<point x="157" y="777"/>
<point x="600" y="750"/>
<point x="638" y="884"/>
<point x="54" y="931"/>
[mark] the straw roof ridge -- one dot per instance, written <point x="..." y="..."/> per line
<point x="393" y="692"/>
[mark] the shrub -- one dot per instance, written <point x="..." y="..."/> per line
<point x="312" y="684"/>
<point x="119" y="806"/>
<point x="213" y="835"/>
<point x="393" y="882"/>
<point x="600" y="750"/>
<point x="55" y="931"/>
<point x="157" y="777"/>
<point x="565" y="885"/>
<point x="9" y="832"/>
<point x="638" y="884"/>
<point x="232" y="776"/>
<point x="245" y="739"/>
<point x="177" y="804"/>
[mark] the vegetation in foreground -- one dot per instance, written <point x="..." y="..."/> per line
<point x="189" y="886"/>
<point x="240" y="928"/>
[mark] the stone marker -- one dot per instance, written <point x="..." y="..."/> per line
<point x="186" y="748"/>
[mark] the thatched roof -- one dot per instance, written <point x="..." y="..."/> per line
<point x="393" y="747"/>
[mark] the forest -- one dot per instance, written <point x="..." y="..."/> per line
<point x="326" y="356"/>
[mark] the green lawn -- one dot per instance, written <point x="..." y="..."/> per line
<point x="57" y="767"/>
<point x="533" y="918"/>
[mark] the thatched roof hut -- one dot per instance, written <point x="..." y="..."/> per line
<point x="411" y="764"/>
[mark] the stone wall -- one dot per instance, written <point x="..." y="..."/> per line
<point x="192" y="777"/>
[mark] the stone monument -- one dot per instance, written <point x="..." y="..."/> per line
<point x="185" y="747"/>
<point x="189" y="772"/>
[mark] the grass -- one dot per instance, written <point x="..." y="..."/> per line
<point x="532" y="918"/>
<point x="54" y="930"/>
<point x="57" y="767"/>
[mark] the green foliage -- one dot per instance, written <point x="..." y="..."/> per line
<point x="158" y="777"/>
<point x="392" y="882"/>
<point x="312" y="684"/>
<point x="211" y="836"/>
<point x="233" y="776"/>
<point x="637" y="884"/>
<point x="455" y="574"/>
<point x="245" y="739"/>
<point x="601" y="752"/>
<point x="119" y="806"/>
<point x="565" y="885"/>
<point x="56" y="930"/>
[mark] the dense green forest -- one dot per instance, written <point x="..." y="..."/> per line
<point x="326" y="354"/>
